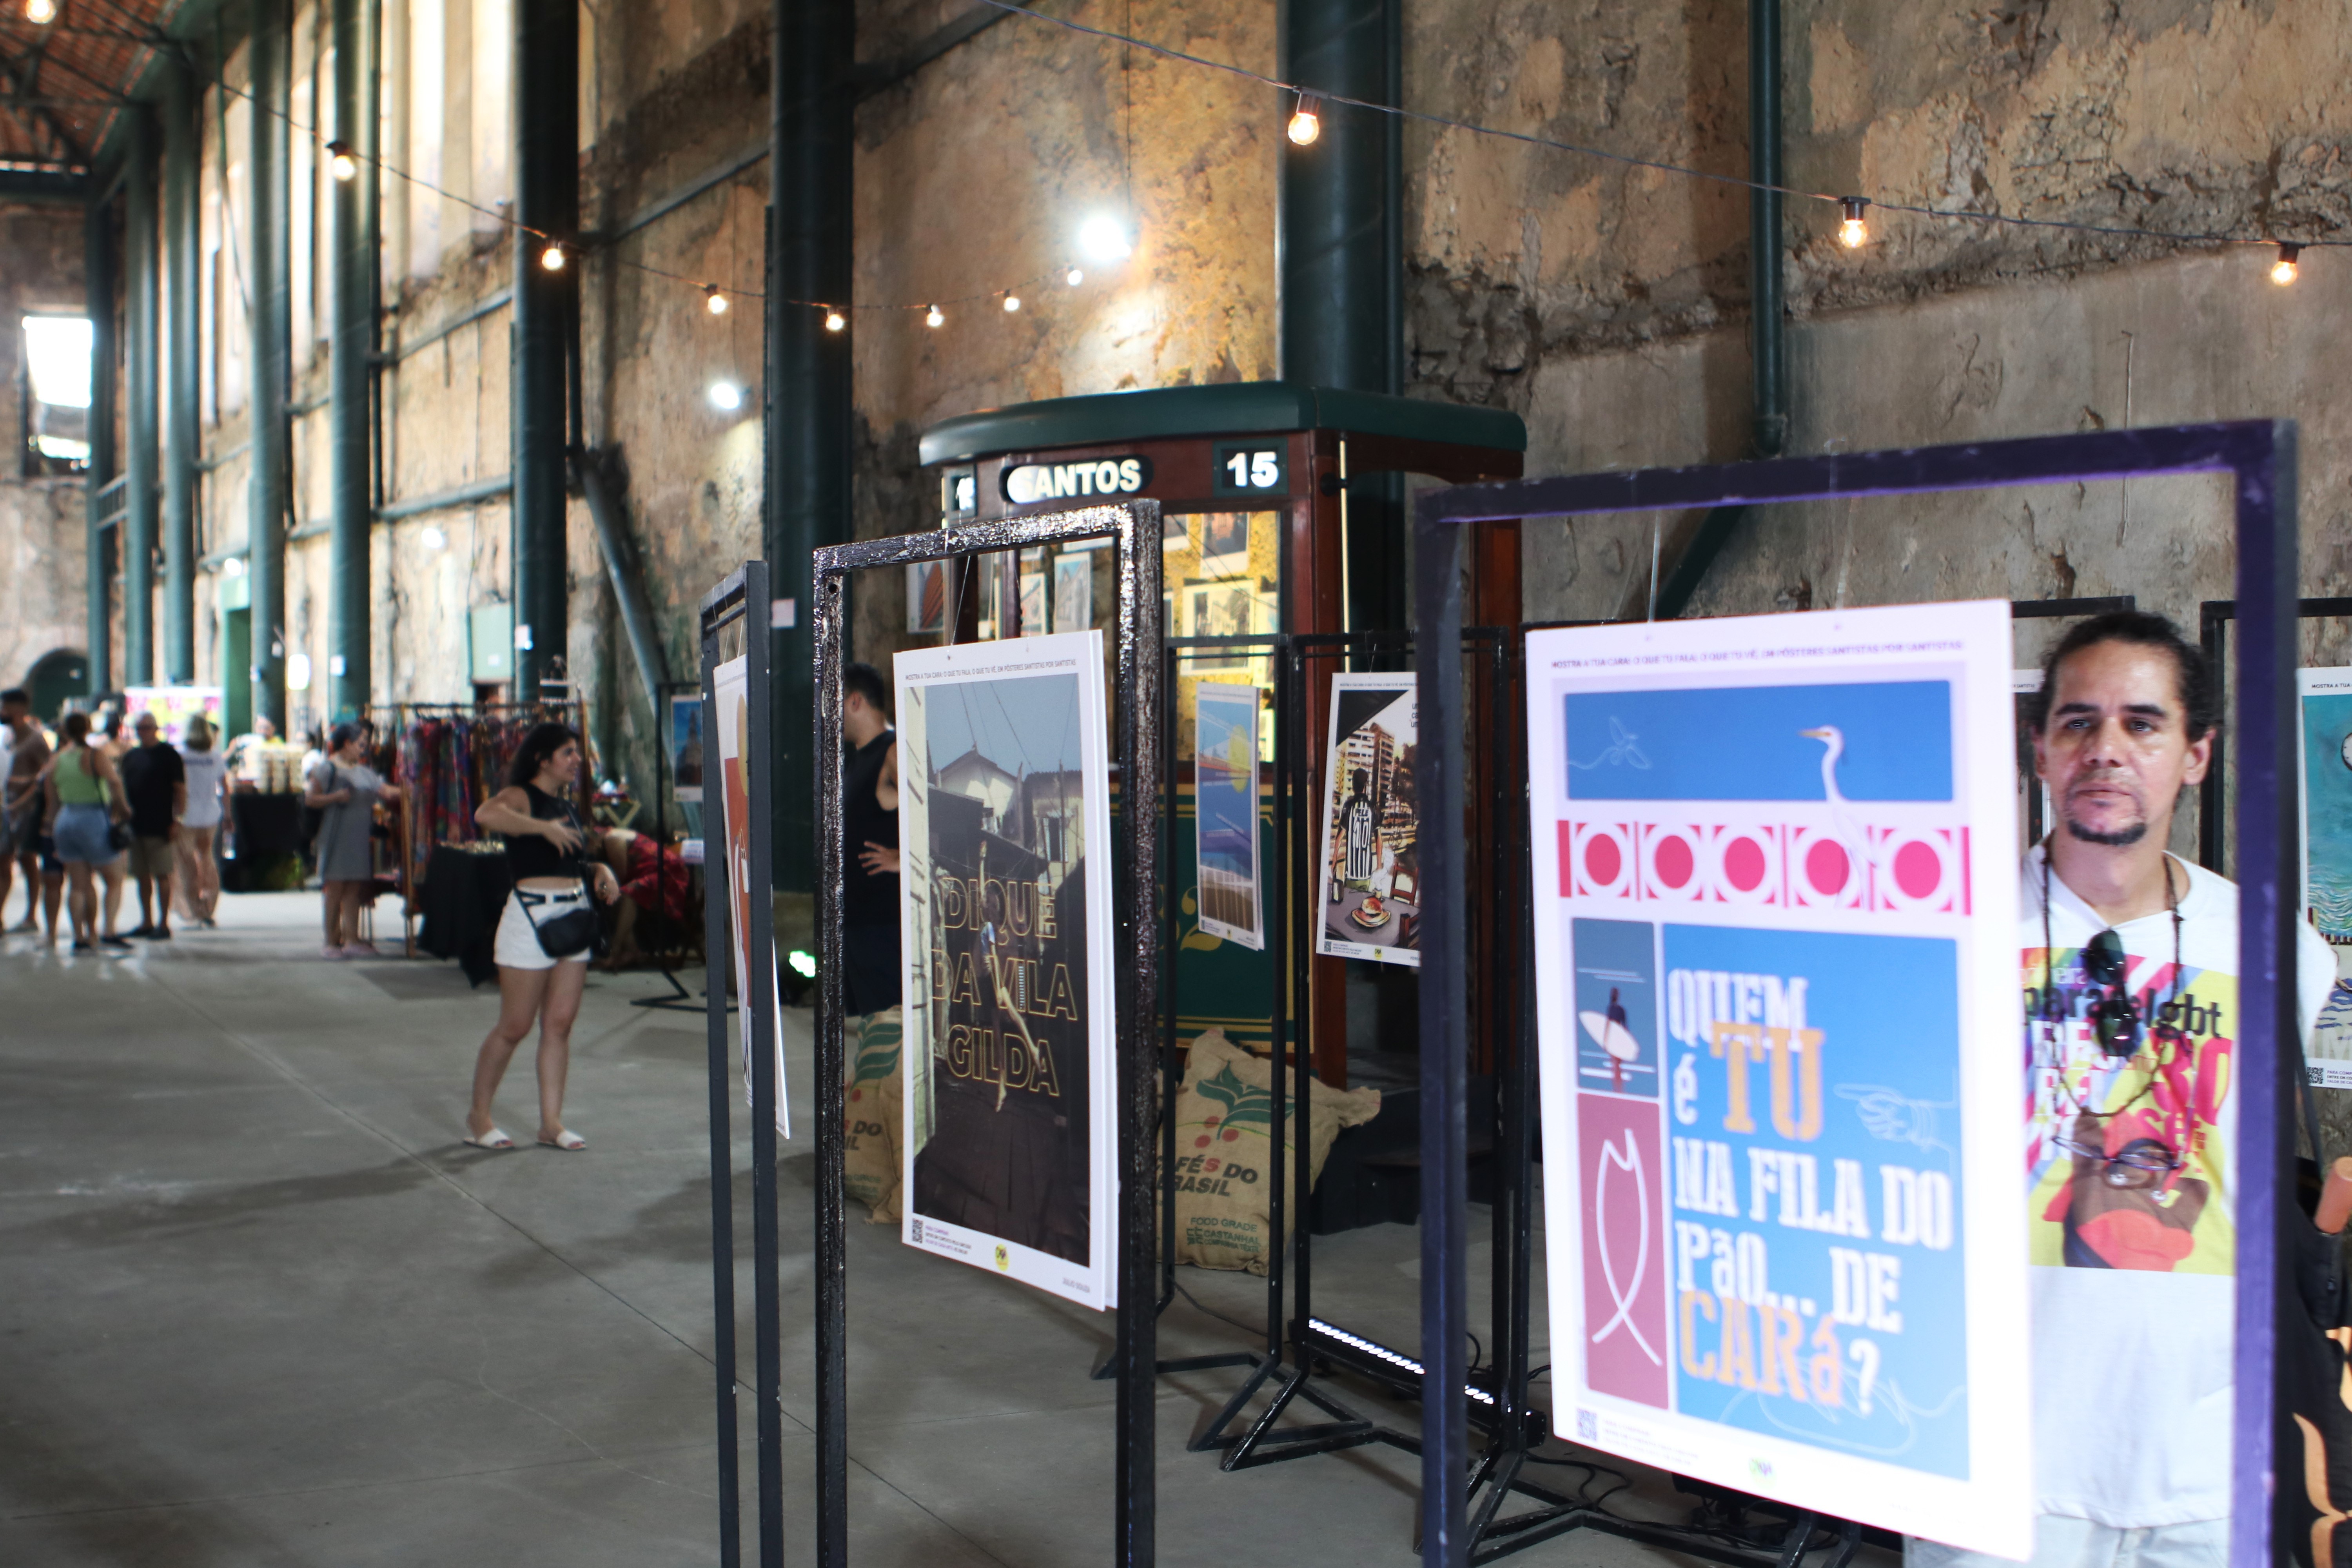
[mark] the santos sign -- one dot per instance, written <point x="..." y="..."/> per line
<point x="1026" y="482"/>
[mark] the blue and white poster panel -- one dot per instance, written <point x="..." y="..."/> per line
<point x="1776" y="863"/>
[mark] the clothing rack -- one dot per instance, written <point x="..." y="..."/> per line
<point x="450" y="757"/>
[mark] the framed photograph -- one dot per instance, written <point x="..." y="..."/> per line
<point x="1225" y="545"/>
<point x="927" y="597"/>
<point x="1370" y="900"/>
<point x="1010" y="1117"/>
<point x="685" y="748"/>
<point x="1074" y="593"/>
<point x="1224" y="797"/>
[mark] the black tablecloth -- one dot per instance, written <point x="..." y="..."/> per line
<point x="464" y="893"/>
<point x="266" y="824"/>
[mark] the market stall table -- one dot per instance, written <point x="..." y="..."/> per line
<point x="262" y="827"/>
<point x="464" y="893"/>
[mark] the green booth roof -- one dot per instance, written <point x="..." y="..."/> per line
<point x="1231" y="408"/>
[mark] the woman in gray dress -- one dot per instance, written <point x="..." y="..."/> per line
<point x="345" y="790"/>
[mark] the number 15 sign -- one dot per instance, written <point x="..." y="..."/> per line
<point x="1778" y="1027"/>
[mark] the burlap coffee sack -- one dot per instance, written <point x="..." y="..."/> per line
<point x="871" y="1169"/>
<point x="1223" y="1116"/>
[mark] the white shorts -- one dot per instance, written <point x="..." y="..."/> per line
<point x="518" y="943"/>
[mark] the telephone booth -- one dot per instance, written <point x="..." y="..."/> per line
<point x="1282" y="506"/>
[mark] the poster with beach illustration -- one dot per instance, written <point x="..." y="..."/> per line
<point x="1004" y="883"/>
<point x="1224" y="777"/>
<point x="1370" y="893"/>
<point x="1777" y="1030"/>
<point x="2326" y="739"/>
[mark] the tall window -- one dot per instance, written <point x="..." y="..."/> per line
<point x="493" y="100"/>
<point x="55" y="394"/>
<point x="428" y="48"/>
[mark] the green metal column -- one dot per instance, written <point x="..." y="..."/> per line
<point x="547" y="200"/>
<point x="350" y="591"/>
<point x="268" y="491"/>
<point x="182" y="150"/>
<point x="97" y="275"/>
<point x="807" y="400"/>
<point x="139" y="500"/>
<point x="1341" y="250"/>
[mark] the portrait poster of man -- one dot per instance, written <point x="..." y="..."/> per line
<point x="685" y="748"/>
<point x="1370" y="893"/>
<point x="1778" y="1015"/>
<point x="1005" y="830"/>
<point x="730" y="685"/>
<point x="1224" y="795"/>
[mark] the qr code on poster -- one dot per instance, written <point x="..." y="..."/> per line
<point x="1588" y="1427"/>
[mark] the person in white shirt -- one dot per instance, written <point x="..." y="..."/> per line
<point x="2129" y="960"/>
<point x="207" y="773"/>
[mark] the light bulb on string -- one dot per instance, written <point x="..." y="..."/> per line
<point x="1077" y="276"/>
<point x="1305" y="123"/>
<point x="1012" y="303"/>
<point x="40" y="13"/>
<point x="713" y="300"/>
<point x="1852" y="232"/>
<point x="552" y="258"/>
<point x="935" y="317"/>
<point x="342" y="162"/>
<point x="834" y="321"/>
<point x="1103" y="237"/>
<point x="2285" y="272"/>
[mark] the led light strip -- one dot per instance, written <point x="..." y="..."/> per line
<point x="1382" y="1353"/>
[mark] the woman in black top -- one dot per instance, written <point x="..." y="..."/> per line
<point x="543" y="837"/>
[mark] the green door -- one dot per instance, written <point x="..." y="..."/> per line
<point x="237" y="670"/>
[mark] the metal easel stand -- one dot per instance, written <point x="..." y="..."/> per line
<point x="680" y="1000"/>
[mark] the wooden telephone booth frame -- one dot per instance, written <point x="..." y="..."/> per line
<point x="1177" y="445"/>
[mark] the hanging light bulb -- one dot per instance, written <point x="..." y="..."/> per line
<point x="834" y="321"/>
<point x="713" y="300"/>
<point x="1852" y="232"/>
<point x="1012" y="303"/>
<point x="1103" y="237"/>
<point x="1077" y="276"/>
<point x="40" y="13"/>
<point x="342" y="162"/>
<point x="551" y="258"/>
<point x="934" y="317"/>
<point x="1305" y="123"/>
<point x="2284" y="271"/>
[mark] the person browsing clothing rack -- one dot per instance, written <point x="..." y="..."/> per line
<point x="544" y="842"/>
<point x="344" y="790"/>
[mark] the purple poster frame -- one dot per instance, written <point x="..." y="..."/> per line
<point x="2259" y="456"/>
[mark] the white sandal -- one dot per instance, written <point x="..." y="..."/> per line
<point x="568" y="1140"/>
<point x="493" y="1139"/>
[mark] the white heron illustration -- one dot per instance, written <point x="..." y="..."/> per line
<point x="1849" y="832"/>
<point x="1609" y="1031"/>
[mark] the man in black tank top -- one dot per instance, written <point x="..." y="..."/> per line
<point x="869" y="840"/>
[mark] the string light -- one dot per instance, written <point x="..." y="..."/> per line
<point x="1104" y="238"/>
<point x="1852" y="232"/>
<point x="40" y="13"/>
<point x="1077" y="276"/>
<point x="834" y="321"/>
<point x="1012" y="303"/>
<point x="725" y="397"/>
<point x="934" y="317"/>
<point x="713" y="300"/>
<point x="1305" y="123"/>
<point x="2284" y="270"/>
<point x="341" y="163"/>
<point x="551" y="258"/>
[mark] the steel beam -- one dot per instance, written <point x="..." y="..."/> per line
<point x="352" y="364"/>
<point x="547" y="204"/>
<point x="139" y="307"/>
<point x="98" y="272"/>
<point x="269" y="492"/>
<point x="183" y="443"/>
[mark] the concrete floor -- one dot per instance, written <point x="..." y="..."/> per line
<point x="258" y="1306"/>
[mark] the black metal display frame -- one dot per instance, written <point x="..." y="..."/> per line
<point x="2213" y="619"/>
<point x="742" y="600"/>
<point x="2260" y="456"/>
<point x="1137" y="697"/>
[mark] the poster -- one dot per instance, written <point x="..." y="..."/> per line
<point x="1778" y="1018"/>
<point x="2327" y="743"/>
<point x="1371" y="899"/>
<point x="174" y="706"/>
<point x="927" y="596"/>
<point x="1010" y="1112"/>
<point x="685" y="747"/>
<point x="728" y="686"/>
<point x="1224" y="775"/>
<point x="1074" y="593"/>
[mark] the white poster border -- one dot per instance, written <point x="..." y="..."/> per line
<point x="1991" y="1510"/>
<point x="1326" y="944"/>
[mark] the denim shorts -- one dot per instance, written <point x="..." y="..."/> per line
<point x="80" y="834"/>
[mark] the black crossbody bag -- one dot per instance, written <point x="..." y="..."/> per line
<point x="575" y="931"/>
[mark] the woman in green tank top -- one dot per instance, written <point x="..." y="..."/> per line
<point x="86" y="799"/>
